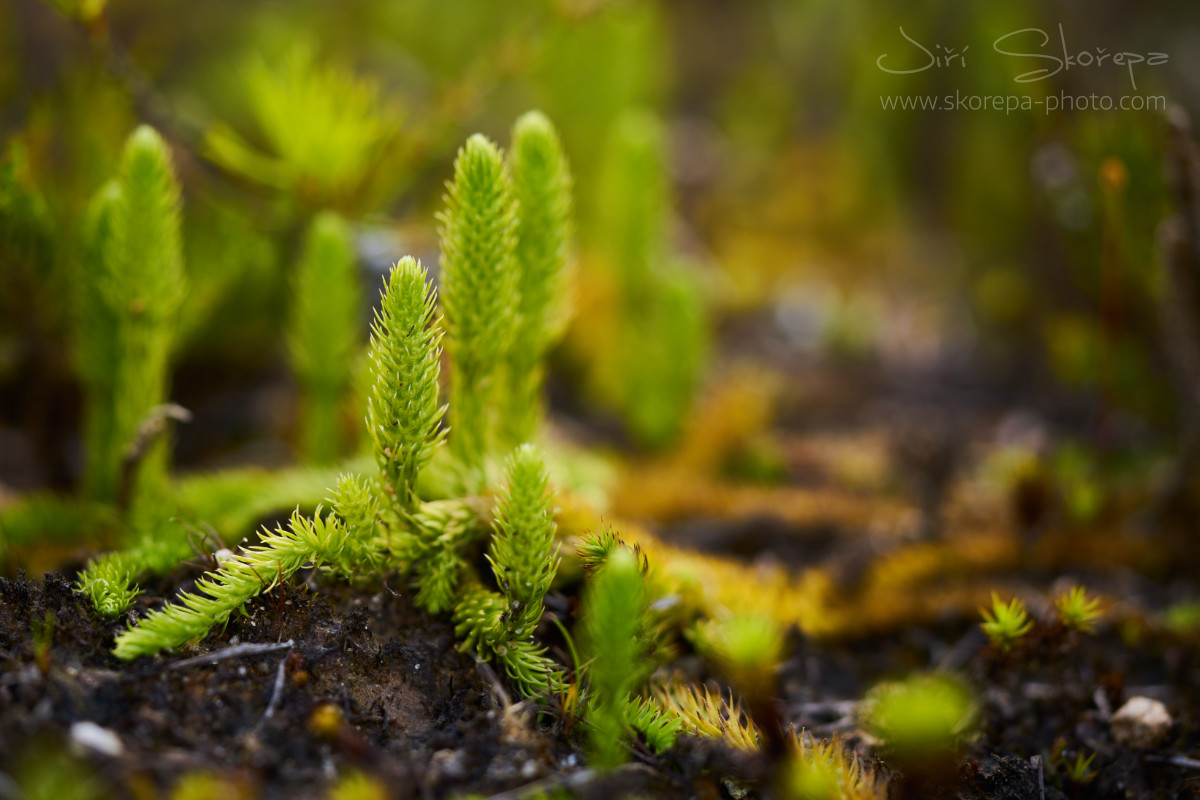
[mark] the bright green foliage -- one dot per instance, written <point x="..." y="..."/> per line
<point x="432" y="551"/>
<point x="921" y="717"/>
<point x="614" y="604"/>
<point x="658" y="727"/>
<point x="324" y="126"/>
<point x="424" y="534"/>
<point x="523" y="558"/>
<point x="542" y="190"/>
<point x="138" y="280"/>
<point x="403" y="414"/>
<point x="355" y="502"/>
<point x="323" y="337"/>
<point x="479" y="291"/>
<point x="595" y="549"/>
<point x="231" y="501"/>
<point x="322" y="540"/>
<point x="662" y="324"/>
<point x="110" y="583"/>
<point x="523" y="553"/>
<point x="1077" y="611"/>
<point x="1005" y="625"/>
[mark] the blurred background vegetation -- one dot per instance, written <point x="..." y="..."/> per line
<point x="740" y="193"/>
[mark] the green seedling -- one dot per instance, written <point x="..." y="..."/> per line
<point x="1006" y="625"/>
<point x="523" y="557"/>
<point x="1076" y="611"/>
<point x="1079" y="769"/>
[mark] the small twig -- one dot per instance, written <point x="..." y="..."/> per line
<point x="1177" y="761"/>
<point x="235" y="651"/>
<point x="277" y="692"/>
<point x="1041" y="771"/>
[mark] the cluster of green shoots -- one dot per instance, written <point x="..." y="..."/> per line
<point x="1007" y="625"/>
<point x="449" y="477"/>
<point x="505" y="235"/>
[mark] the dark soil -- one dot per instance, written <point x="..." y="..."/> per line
<point x="373" y="684"/>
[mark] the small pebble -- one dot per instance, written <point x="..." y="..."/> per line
<point x="1142" y="723"/>
<point x="88" y="736"/>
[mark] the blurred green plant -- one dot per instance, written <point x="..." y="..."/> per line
<point x="323" y="333"/>
<point x="323" y="125"/>
<point x="542" y="192"/>
<point x="1005" y="625"/>
<point x="614" y="605"/>
<point x="132" y="289"/>
<point x="1079" y="769"/>
<point x="661" y="321"/>
<point x="921" y="718"/>
<point x="478" y="232"/>
<point x="1076" y="611"/>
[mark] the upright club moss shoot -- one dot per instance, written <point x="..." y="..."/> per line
<point x="404" y="413"/>
<point x="523" y="557"/>
<point x="131" y="288"/>
<point x="542" y="190"/>
<point x="135" y="284"/>
<point x="612" y="614"/>
<point x="478" y="230"/>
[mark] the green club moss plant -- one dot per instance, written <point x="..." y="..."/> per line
<point x="323" y="333"/>
<point x="133" y="285"/>
<point x="478" y="231"/>
<point x="542" y="190"/>
<point x="383" y="524"/>
<point x="614" y="605"/>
